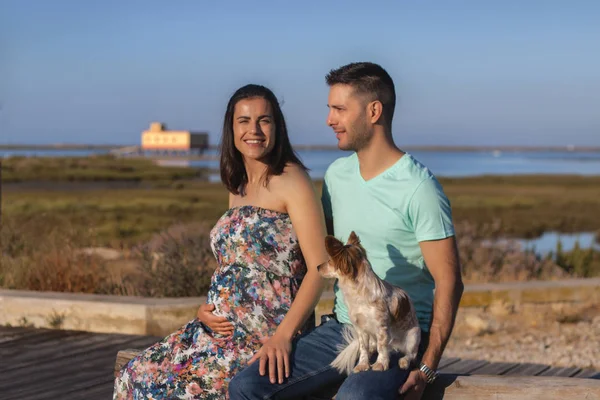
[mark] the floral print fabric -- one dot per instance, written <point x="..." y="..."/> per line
<point x="260" y="268"/>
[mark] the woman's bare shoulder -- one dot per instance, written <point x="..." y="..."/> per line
<point x="293" y="174"/>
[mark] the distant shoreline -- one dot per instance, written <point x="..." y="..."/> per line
<point x="109" y="147"/>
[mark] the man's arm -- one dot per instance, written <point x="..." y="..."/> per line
<point x="329" y="225"/>
<point x="326" y="204"/>
<point x="441" y="258"/>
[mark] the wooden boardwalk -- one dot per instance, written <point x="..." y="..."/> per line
<point x="53" y="364"/>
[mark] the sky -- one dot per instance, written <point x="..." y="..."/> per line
<point x="466" y="72"/>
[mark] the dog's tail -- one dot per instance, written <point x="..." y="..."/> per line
<point x="350" y="350"/>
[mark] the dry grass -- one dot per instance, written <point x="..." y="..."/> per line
<point x="179" y="262"/>
<point x="93" y="168"/>
<point x="43" y="230"/>
<point x="524" y="206"/>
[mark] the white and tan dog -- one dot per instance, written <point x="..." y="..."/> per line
<point x="382" y="315"/>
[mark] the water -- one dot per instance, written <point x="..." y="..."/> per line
<point x="50" y="153"/>
<point x="464" y="164"/>
<point x="548" y="241"/>
<point x="442" y="164"/>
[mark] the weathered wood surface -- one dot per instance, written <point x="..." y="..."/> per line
<point x="498" y="387"/>
<point x="478" y="379"/>
<point x="46" y="364"/>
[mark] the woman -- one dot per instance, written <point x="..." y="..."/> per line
<point x="267" y="245"/>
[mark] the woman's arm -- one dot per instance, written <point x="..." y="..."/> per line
<point x="307" y="218"/>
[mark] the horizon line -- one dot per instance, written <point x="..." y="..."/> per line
<point x="84" y="146"/>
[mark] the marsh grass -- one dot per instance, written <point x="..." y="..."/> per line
<point x="524" y="206"/>
<point x="176" y="262"/>
<point x="92" y="168"/>
<point x="161" y="227"/>
<point x="179" y="262"/>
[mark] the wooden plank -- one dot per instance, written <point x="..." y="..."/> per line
<point x="561" y="371"/>
<point x="588" y="374"/>
<point x="11" y="339"/>
<point x="56" y="389"/>
<point x="123" y="357"/>
<point x="36" y="341"/>
<point x="480" y="387"/>
<point x="102" y="357"/>
<point x="31" y="358"/>
<point x="80" y="373"/>
<point x="75" y="347"/>
<point x="527" y="370"/>
<point x="463" y="367"/>
<point x="76" y="386"/>
<point x="495" y="368"/>
<point x="102" y="391"/>
<point x="52" y="369"/>
<point x="10" y="329"/>
<point x="47" y="375"/>
<point x="447" y="361"/>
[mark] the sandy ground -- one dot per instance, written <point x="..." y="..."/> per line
<point x="558" y="334"/>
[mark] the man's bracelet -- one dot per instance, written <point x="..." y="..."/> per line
<point x="429" y="373"/>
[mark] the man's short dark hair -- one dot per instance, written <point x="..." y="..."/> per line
<point x="369" y="79"/>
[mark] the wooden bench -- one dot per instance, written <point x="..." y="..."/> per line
<point x="450" y="386"/>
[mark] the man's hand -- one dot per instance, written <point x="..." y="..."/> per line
<point x="414" y="386"/>
<point x="276" y="354"/>
<point x="217" y="324"/>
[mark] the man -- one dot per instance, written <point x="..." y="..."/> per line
<point x="403" y="218"/>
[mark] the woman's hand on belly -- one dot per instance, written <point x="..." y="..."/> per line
<point x="217" y="324"/>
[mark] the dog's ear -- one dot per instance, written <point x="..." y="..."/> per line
<point x="353" y="239"/>
<point x="333" y="245"/>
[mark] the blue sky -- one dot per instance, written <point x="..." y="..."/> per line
<point x="466" y="72"/>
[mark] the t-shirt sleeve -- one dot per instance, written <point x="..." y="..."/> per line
<point x="326" y="199"/>
<point x="430" y="212"/>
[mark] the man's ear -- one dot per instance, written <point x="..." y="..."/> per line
<point x="375" y="111"/>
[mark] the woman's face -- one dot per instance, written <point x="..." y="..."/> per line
<point x="253" y="128"/>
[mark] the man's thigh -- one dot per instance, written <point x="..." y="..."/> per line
<point x="309" y="364"/>
<point x="374" y="385"/>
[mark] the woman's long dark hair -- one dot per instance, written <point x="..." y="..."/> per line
<point x="233" y="172"/>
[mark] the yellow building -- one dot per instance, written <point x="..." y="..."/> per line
<point x="159" y="138"/>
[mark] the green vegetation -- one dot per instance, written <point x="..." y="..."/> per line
<point x="527" y="206"/>
<point x="159" y="218"/>
<point x="119" y="217"/>
<point x="521" y="206"/>
<point x="94" y="168"/>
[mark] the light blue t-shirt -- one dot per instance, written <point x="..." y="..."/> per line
<point x="391" y="214"/>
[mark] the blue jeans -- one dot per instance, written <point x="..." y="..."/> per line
<point x="312" y="377"/>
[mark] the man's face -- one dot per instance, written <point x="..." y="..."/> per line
<point x="348" y="117"/>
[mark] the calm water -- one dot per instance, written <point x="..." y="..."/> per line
<point x="443" y="164"/>
<point x="462" y="164"/>
<point x="548" y="241"/>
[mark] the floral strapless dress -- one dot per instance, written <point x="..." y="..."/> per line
<point x="260" y="268"/>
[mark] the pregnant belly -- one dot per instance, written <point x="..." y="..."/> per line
<point x="247" y="300"/>
<point x="231" y="292"/>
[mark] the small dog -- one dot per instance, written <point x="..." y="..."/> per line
<point x="382" y="315"/>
